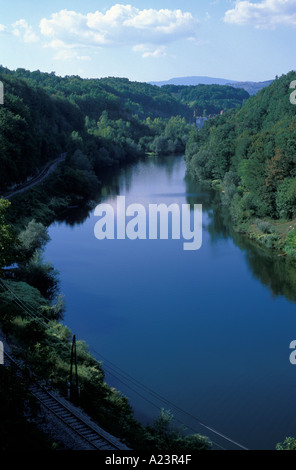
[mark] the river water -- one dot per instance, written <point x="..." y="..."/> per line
<point x="202" y="333"/>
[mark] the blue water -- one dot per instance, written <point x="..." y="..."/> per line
<point x="208" y="330"/>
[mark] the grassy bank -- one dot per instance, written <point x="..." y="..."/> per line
<point x="32" y="318"/>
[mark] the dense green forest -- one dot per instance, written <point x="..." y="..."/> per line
<point x="31" y="312"/>
<point x="250" y="155"/>
<point x="208" y="99"/>
<point x="97" y="122"/>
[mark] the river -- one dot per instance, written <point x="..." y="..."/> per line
<point x="208" y="331"/>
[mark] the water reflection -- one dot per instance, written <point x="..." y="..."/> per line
<point x="274" y="271"/>
<point x="197" y="327"/>
<point x="278" y="273"/>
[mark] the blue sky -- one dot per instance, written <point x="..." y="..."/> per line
<point x="155" y="40"/>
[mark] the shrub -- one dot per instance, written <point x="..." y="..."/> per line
<point x="264" y="226"/>
<point x="288" y="444"/>
<point x="286" y="198"/>
<point x="290" y="245"/>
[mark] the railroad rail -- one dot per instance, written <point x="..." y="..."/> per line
<point x="96" y="439"/>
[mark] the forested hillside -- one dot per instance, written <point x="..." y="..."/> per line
<point x="97" y="122"/>
<point x="104" y="120"/>
<point x="208" y="99"/>
<point x="251" y="153"/>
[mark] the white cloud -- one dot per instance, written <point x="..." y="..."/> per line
<point x="120" y="25"/>
<point x="65" y="51"/>
<point x="148" y="52"/>
<point x="160" y="52"/>
<point x="264" y="14"/>
<point x="23" y="30"/>
<point x="70" y="54"/>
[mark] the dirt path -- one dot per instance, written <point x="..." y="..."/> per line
<point x="49" y="168"/>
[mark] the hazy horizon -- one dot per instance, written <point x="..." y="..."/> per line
<point x="239" y="41"/>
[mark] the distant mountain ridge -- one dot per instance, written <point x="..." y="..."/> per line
<point x="251" y="87"/>
<point x="187" y="81"/>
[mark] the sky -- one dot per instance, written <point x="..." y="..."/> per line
<point x="150" y="41"/>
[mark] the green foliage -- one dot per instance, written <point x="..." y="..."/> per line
<point x="288" y="444"/>
<point x="39" y="274"/>
<point x="12" y="303"/>
<point x="286" y="198"/>
<point x="290" y="245"/>
<point x="45" y="345"/>
<point x="264" y="226"/>
<point x="34" y="237"/>
<point x="252" y="152"/>
<point x="28" y="294"/>
<point x="8" y="237"/>
<point x="208" y="99"/>
<point x="98" y="123"/>
<point x="165" y="438"/>
<point x="110" y="121"/>
<point x="202" y="165"/>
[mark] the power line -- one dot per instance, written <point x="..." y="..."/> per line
<point x="201" y="423"/>
<point x="22" y="306"/>
<point x="157" y="407"/>
<point x="35" y="316"/>
<point x="128" y="377"/>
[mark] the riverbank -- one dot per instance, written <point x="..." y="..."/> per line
<point x="123" y="297"/>
<point x="44" y="342"/>
<point x="54" y="434"/>
<point x="279" y="236"/>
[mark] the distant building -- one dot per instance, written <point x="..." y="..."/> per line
<point x="200" y="121"/>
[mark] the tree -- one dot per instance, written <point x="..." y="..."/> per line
<point x="41" y="275"/>
<point x="34" y="237"/>
<point x="166" y="438"/>
<point x="160" y="145"/>
<point x="286" y="198"/>
<point x="8" y="237"/>
<point x="288" y="444"/>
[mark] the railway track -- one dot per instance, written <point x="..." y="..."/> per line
<point x="66" y="415"/>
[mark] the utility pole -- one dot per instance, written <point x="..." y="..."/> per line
<point x="74" y="388"/>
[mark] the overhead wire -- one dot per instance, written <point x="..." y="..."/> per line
<point x="23" y="306"/>
<point x="164" y="400"/>
<point x="125" y="375"/>
<point x="156" y="406"/>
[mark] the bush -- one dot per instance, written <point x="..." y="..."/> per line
<point x="165" y="438"/>
<point x="288" y="444"/>
<point x="290" y="245"/>
<point x="264" y="226"/>
<point x="286" y="198"/>
<point x="34" y="237"/>
<point x="41" y="275"/>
